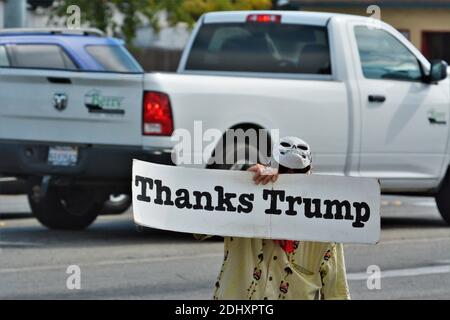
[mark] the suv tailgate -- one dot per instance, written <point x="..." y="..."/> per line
<point x="73" y="107"/>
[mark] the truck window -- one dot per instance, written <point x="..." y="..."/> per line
<point x="45" y="56"/>
<point x="114" y="58"/>
<point x="383" y="56"/>
<point x="261" y="47"/>
<point x="4" y="61"/>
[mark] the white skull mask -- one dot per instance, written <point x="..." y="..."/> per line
<point x="292" y="152"/>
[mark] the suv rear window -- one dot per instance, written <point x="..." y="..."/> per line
<point x="114" y="58"/>
<point x="261" y="47"/>
<point x="46" y="56"/>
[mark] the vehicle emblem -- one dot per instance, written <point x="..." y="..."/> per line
<point x="60" y="101"/>
<point x="96" y="102"/>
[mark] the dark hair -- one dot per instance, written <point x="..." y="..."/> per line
<point x="283" y="169"/>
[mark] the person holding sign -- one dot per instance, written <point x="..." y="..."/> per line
<point x="259" y="269"/>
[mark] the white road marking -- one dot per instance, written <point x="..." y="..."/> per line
<point x="445" y="261"/>
<point x="354" y="276"/>
<point x="401" y="241"/>
<point x="425" y="204"/>
<point x="19" y="244"/>
<point x="7" y="179"/>
<point x="112" y="263"/>
<point x="420" y="202"/>
<point x="409" y="272"/>
<point x="382" y="242"/>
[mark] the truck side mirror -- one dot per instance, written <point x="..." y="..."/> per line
<point x="438" y="71"/>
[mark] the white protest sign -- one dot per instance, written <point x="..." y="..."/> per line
<point x="228" y="203"/>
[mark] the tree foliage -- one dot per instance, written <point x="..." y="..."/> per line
<point x="99" y="13"/>
<point x="190" y="10"/>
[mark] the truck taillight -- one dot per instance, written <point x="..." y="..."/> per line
<point x="264" y="18"/>
<point x="157" y="114"/>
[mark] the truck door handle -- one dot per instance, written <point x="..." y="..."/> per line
<point x="376" y="98"/>
<point x="59" y="80"/>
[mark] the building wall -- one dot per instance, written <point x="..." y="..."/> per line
<point x="414" y="20"/>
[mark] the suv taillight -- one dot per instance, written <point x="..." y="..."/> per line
<point x="157" y="114"/>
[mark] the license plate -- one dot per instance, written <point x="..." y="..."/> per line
<point x="63" y="156"/>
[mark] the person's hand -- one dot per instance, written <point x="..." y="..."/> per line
<point x="263" y="174"/>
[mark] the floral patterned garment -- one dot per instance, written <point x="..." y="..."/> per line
<point x="260" y="269"/>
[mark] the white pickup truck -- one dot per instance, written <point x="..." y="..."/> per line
<point x="368" y="102"/>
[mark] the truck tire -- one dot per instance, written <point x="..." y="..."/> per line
<point x="64" y="208"/>
<point x="443" y="200"/>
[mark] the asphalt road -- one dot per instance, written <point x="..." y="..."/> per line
<point x="119" y="262"/>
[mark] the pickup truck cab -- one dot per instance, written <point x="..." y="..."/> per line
<point x="366" y="100"/>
